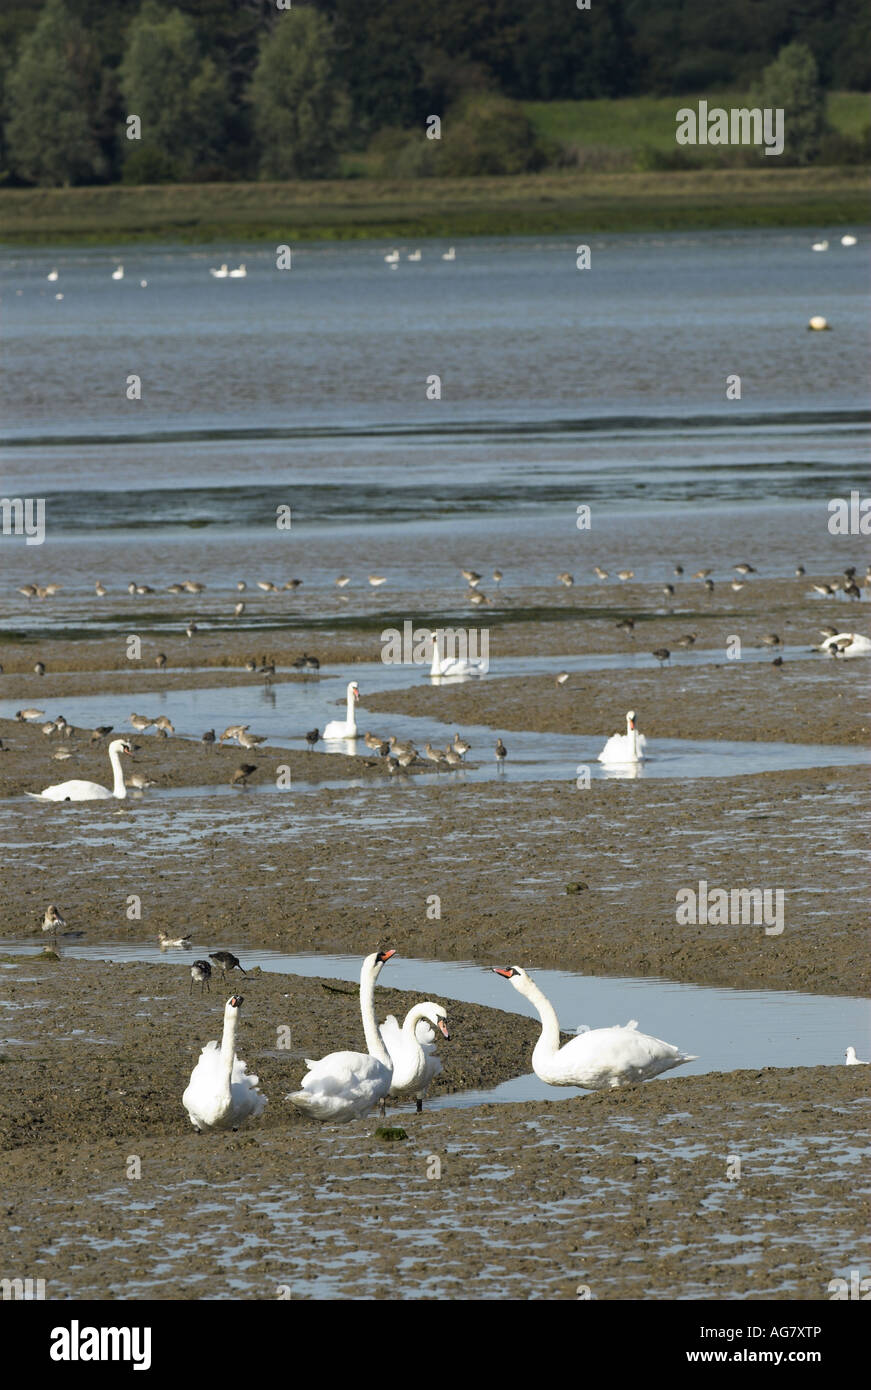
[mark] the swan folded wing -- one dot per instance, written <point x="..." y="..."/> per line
<point x="76" y="790"/>
<point x="391" y="1034"/>
<point x="247" y="1100"/>
<point x="344" y="1073"/>
<point x="609" y="1056"/>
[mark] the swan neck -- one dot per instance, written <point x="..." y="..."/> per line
<point x="412" y="1018"/>
<point x="349" y="707"/>
<point x="228" y="1042"/>
<point x="549" y="1041"/>
<point x="119" y="789"/>
<point x="436" y="667"/>
<point x="374" y="1041"/>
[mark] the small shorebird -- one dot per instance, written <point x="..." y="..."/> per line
<point x="342" y="580"/>
<point x="139" y="781"/>
<point x="453" y="759"/>
<point x="771" y="639"/>
<point x="709" y="586"/>
<point x="233" y="731"/>
<point x="372" y="740"/>
<point x="668" y="590"/>
<point x="599" y="572"/>
<point x="99" y="590"/>
<point x="192" y="586"/>
<point x="799" y="571"/>
<point x="242" y="773"/>
<point x="472" y="578"/>
<point x="827" y="590"/>
<point x="101" y="731"/>
<point x="61" y="755"/>
<point x="225" y="960"/>
<point x="52" y="919"/>
<point x="266" y="585"/>
<point x="701" y="574"/>
<point x="208" y="739"/>
<point x="160" y="660"/>
<point x="174" y="589"/>
<point x="625" y="574"/>
<point x="28" y="715"/>
<point x="246" y="740"/>
<point x="292" y="584"/>
<point x="312" y="737"/>
<point x="28" y="590"/>
<point x="175" y="943"/>
<point x="201" y="971"/>
<point x="162" y="722"/>
<point x="566" y="579"/>
<point x="435" y="755"/>
<point x="461" y="746"/>
<point x="140" y="723"/>
<point x="501" y="753"/>
<point x="626" y="625"/>
<point x="238" y="610"/>
<point x="376" y="579"/>
<point x="251" y="664"/>
<point x="191" y="629"/>
<point x="497" y="577"/>
<point x="678" y="570"/>
<point x="662" y="655"/>
<point x="562" y="678"/>
<point x="737" y="585"/>
<point x="241" y="586"/>
<point x="743" y="569"/>
<point x="406" y="759"/>
<point x="687" y="640"/>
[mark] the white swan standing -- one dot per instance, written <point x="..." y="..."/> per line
<point x="221" y="1094"/>
<point x="625" y="748"/>
<point x="595" y="1059"/>
<point x="346" y="1085"/>
<point x="347" y="727"/>
<point x="412" y="1048"/>
<point x="851" y="1060"/>
<point x="455" y="665"/>
<point x="77" y="790"/>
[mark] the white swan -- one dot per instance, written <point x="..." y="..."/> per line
<point x="221" y="1094"/>
<point x="239" y="273"/>
<point x="221" y="273"/>
<point x="820" y="246"/>
<point x="625" y="748"/>
<point x="392" y="258"/>
<point x="847" y="644"/>
<point x="449" y="255"/>
<point x="345" y="1085"/>
<point x="78" y="790"/>
<point x="118" y="273"/>
<point x="455" y="665"/>
<point x="598" y="1058"/>
<point x="413" y="1052"/>
<point x="347" y="727"/>
<point x="851" y="1060"/>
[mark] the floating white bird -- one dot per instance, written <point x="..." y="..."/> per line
<point x="392" y="258"/>
<point x="52" y="276"/>
<point x="848" y="240"/>
<point x="347" y="727"/>
<point x="846" y="644"/>
<point x="221" y="1094"/>
<point x="625" y="748"/>
<point x="455" y="665"/>
<point x="820" y="246"/>
<point x="413" y="256"/>
<point x="175" y="943"/>
<point x="414" y="1062"/>
<point x="449" y="255"/>
<point x="595" y="1059"/>
<point x="376" y="580"/>
<point x="345" y="1085"/>
<point x="77" y="790"/>
<point x="221" y="273"/>
<point x="818" y="324"/>
<point x="852" y="1060"/>
<point x="118" y="273"/>
<point x="239" y="273"/>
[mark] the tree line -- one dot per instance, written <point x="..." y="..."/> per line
<point x="241" y="89"/>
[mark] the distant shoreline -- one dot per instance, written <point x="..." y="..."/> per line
<point x="376" y="209"/>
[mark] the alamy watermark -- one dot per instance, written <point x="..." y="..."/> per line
<point x="452" y="650"/>
<point x="17" y="518"/>
<point x="738" y="907"/>
<point x="738" y="126"/>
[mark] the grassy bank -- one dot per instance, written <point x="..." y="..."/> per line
<point x="538" y="204"/>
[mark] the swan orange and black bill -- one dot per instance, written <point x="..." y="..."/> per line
<point x="507" y="973"/>
<point x="237" y="1001"/>
<point x="443" y="1027"/>
<point x="385" y="955"/>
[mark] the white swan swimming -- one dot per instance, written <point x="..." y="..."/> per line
<point x="239" y="273"/>
<point x="625" y="748"/>
<point x="347" y="727"/>
<point x="221" y="1094"/>
<point x="846" y="644"/>
<point x="413" y="1052"/>
<point x="221" y="273"/>
<point x="595" y="1059"/>
<point x="77" y="790"/>
<point x="346" y="1085"/>
<point x="455" y="665"/>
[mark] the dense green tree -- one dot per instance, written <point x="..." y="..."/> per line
<point x="792" y="84"/>
<point x="180" y="96"/>
<point x="301" y="109"/>
<point x="52" y="96"/>
<point x="488" y="134"/>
